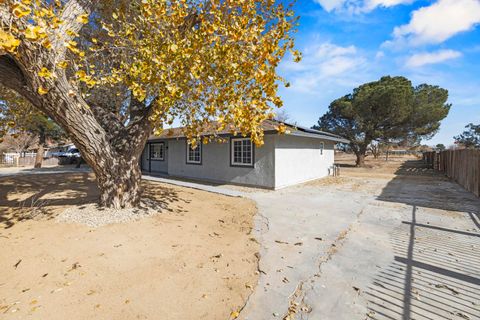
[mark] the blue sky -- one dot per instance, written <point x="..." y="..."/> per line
<point x="349" y="42"/>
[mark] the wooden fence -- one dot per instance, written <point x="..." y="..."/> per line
<point x="462" y="166"/>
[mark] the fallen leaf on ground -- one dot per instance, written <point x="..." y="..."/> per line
<point x="444" y="286"/>
<point x="16" y="264"/>
<point x="463" y="315"/>
<point x="76" y="265"/>
<point x="34" y="308"/>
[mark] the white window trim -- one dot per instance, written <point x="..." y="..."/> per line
<point x="232" y="152"/>
<point x="199" y="146"/>
<point x="322" y="148"/>
<point x="162" y="144"/>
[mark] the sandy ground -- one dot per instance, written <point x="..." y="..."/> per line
<point x="195" y="260"/>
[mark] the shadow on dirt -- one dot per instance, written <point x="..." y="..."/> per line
<point x="25" y="197"/>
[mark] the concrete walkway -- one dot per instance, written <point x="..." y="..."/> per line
<point x="195" y="185"/>
<point x="296" y="227"/>
<point x="368" y="248"/>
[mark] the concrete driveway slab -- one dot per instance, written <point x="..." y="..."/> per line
<point x="297" y="228"/>
<point x="393" y="247"/>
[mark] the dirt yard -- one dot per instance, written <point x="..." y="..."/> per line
<point x="194" y="260"/>
<point x="379" y="167"/>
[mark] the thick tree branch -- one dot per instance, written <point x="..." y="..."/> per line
<point x="5" y="15"/>
<point x="108" y="120"/>
<point x="140" y="125"/>
<point x="72" y="10"/>
<point x="12" y="77"/>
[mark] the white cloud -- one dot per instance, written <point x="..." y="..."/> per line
<point x="438" y="22"/>
<point x="379" y="55"/>
<point x="330" y="5"/>
<point x="359" y="6"/>
<point x="372" y="4"/>
<point x="421" y="59"/>
<point x="321" y="63"/>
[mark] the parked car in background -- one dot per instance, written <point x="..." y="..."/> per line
<point x="58" y="151"/>
<point x="72" y="153"/>
<point x="70" y="156"/>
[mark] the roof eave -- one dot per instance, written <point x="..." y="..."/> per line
<point x="319" y="136"/>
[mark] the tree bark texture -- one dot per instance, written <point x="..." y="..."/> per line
<point x="39" y="156"/>
<point x="360" y="162"/>
<point x="111" y="148"/>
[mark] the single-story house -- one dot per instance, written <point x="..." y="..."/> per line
<point x="286" y="159"/>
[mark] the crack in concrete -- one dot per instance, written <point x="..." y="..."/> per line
<point x="257" y="255"/>
<point x="297" y="305"/>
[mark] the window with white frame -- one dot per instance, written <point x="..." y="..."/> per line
<point x="157" y="151"/>
<point x="242" y="152"/>
<point x="194" y="155"/>
<point x="322" y="146"/>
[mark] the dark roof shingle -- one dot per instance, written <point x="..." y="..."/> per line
<point x="268" y="126"/>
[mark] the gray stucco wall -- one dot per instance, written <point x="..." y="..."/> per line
<point x="282" y="161"/>
<point x="298" y="159"/>
<point x="216" y="164"/>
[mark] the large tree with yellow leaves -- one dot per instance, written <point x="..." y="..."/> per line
<point x="111" y="72"/>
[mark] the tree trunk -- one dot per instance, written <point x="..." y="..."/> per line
<point x="39" y="156"/>
<point x="360" y="162"/>
<point x="112" y="155"/>
<point x="109" y="146"/>
<point x="120" y="184"/>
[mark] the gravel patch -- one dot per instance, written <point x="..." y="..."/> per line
<point x="94" y="216"/>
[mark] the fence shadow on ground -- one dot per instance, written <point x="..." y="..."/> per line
<point x="435" y="273"/>
<point x="417" y="185"/>
<point x="25" y="197"/>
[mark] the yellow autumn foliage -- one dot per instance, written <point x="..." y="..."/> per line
<point x="8" y="42"/>
<point x="45" y="73"/>
<point x="205" y="63"/>
<point x="42" y="91"/>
